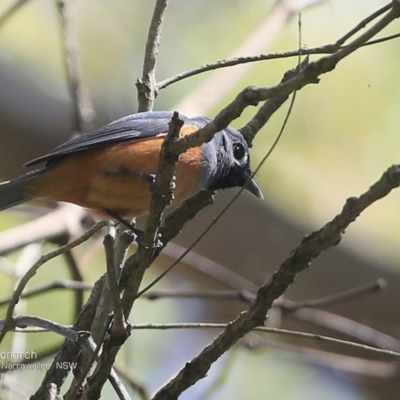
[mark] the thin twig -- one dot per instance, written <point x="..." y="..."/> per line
<point x="146" y="87"/>
<point x="32" y="271"/>
<point x="348" y="327"/>
<point x="159" y="201"/>
<point x="101" y="320"/>
<point x="71" y="285"/>
<point x="264" y="113"/>
<point x="242" y="293"/>
<point x="200" y="199"/>
<point x="23" y="321"/>
<point x="362" y="24"/>
<point x="118" y="386"/>
<point x="134" y="381"/>
<point x="306" y="335"/>
<point x="193" y="294"/>
<point x="382" y="39"/>
<point x="55" y="226"/>
<point x="11" y="10"/>
<point x="231" y="62"/>
<point x="340" y="362"/>
<point x="118" y="325"/>
<point x="324" y="49"/>
<point x="82" y="339"/>
<point x="69" y="352"/>
<point x="253" y="95"/>
<point x="100" y="328"/>
<point x="211" y="268"/>
<point x="83" y="111"/>
<point x="205" y="97"/>
<point x="336" y="298"/>
<point x="77" y="276"/>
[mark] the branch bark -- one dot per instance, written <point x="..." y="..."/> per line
<point x="310" y="248"/>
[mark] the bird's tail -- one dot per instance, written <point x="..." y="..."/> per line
<point x="13" y="192"/>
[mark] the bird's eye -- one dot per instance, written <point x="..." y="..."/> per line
<point x="238" y="151"/>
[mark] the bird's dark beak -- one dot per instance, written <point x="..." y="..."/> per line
<point x="252" y="187"/>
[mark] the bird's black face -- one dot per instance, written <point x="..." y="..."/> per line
<point x="233" y="162"/>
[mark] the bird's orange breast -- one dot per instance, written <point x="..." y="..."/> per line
<point x="107" y="178"/>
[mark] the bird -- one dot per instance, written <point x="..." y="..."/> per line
<point x="108" y="170"/>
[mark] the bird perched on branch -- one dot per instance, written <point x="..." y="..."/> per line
<point x="108" y="170"/>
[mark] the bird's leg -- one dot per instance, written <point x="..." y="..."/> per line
<point x="123" y="221"/>
<point x="137" y="232"/>
<point x="151" y="178"/>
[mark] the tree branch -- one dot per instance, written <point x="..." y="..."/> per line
<point x="9" y="321"/>
<point x="83" y="111"/>
<point x="146" y="87"/>
<point x="324" y="49"/>
<point x="310" y="247"/>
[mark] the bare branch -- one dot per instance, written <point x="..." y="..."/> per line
<point x="72" y="285"/>
<point x="11" y="10"/>
<point x="147" y="90"/>
<point x="362" y="24"/>
<point x="83" y="111"/>
<point x="173" y="224"/>
<point x="203" y="98"/>
<point x="211" y="268"/>
<point x="310" y="247"/>
<point x="55" y="226"/>
<point x="69" y="351"/>
<point x="77" y="276"/>
<point x="134" y="381"/>
<point x="336" y="298"/>
<point x="151" y="236"/>
<point x="82" y="339"/>
<point x="23" y="321"/>
<point x="193" y="294"/>
<point x="118" y="326"/>
<point x="341" y="362"/>
<point x="305" y="335"/>
<point x="324" y="49"/>
<point x="351" y="328"/>
<point x="32" y="271"/>
<point x="145" y="255"/>
<point x="253" y="95"/>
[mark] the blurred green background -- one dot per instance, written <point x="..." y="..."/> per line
<point x="341" y="136"/>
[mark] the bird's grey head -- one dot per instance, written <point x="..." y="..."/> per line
<point x="226" y="162"/>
